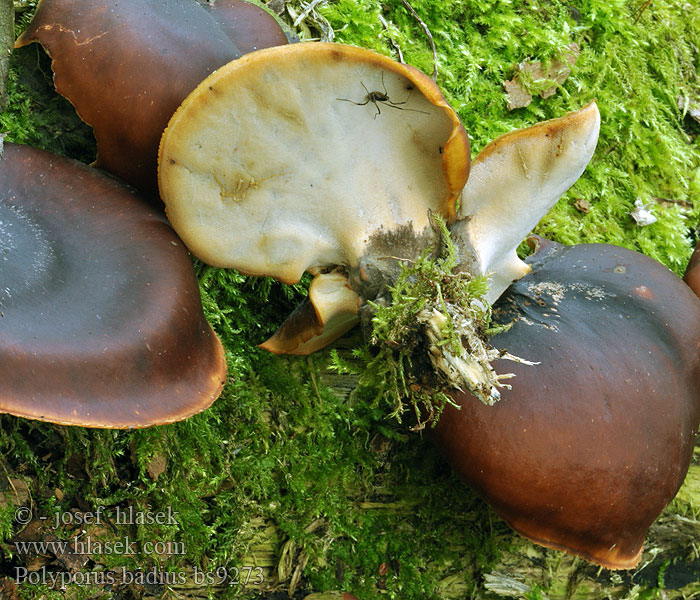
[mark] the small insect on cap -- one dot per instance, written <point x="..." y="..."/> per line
<point x="311" y="156"/>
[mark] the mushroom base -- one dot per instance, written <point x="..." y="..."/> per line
<point x="428" y="321"/>
<point x="590" y="445"/>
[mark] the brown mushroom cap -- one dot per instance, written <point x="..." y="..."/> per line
<point x="692" y="272"/>
<point x="101" y="321"/>
<point x="590" y="445"/>
<point x="126" y="65"/>
<point x="249" y="26"/>
<point x="330" y="311"/>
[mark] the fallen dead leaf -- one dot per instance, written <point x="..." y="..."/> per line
<point x="517" y="96"/>
<point x="8" y="589"/>
<point x="535" y="72"/>
<point x="642" y="214"/>
<point x="157" y="465"/>
<point x="582" y="205"/>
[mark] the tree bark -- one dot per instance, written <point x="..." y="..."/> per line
<point x="7" y="41"/>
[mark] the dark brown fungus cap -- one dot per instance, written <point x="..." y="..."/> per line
<point x="248" y="25"/>
<point x="101" y="321"/>
<point x="692" y="273"/>
<point x="590" y="445"/>
<point x="126" y="65"/>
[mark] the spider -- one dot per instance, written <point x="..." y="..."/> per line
<point x="383" y="97"/>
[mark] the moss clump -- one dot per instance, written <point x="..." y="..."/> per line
<point x="428" y="338"/>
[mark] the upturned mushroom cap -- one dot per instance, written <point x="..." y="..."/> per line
<point x="513" y="183"/>
<point x="126" y="65"/>
<point x="310" y="156"/>
<point x="101" y="321"/>
<point x="330" y="311"/>
<point x="276" y="165"/>
<point x="589" y="445"/>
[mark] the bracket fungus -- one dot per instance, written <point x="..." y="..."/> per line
<point x="588" y="447"/>
<point x="274" y="127"/>
<point x="101" y="321"/>
<point x="332" y="160"/>
<point x="126" y="65"/>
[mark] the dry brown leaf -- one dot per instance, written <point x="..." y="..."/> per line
<point x="558" y="71"/>
<point x="157" y="465"/>
<point x="582" y="205"/>
<point x="517" y="96"/>
<point x="8" y="589"/>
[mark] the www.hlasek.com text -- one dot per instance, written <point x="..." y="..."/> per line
<point x="88" y="546"/>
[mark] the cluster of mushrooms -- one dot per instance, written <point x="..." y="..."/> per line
<point x="280" y="159"/>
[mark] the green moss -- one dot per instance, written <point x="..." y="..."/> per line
<point x="36" y="115"/>
<point x="428" y="337"/>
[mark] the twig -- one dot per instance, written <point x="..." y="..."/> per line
<point x="313" y="379"/>
<point x="9" y="480"/>
<point x="390" y="257"/>
<point x="641" y="10"/>
<point x="394" y="43"/>
<point x="306" y="12"/>
<point x="309" y="12"/>
<point x="430" y="37"/>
